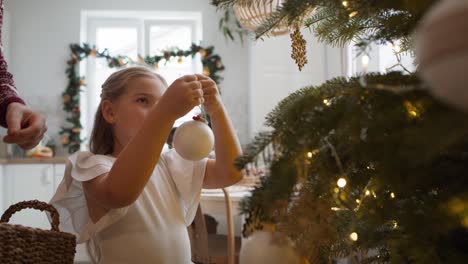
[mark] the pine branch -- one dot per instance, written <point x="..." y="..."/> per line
<point x="291" y="14"/>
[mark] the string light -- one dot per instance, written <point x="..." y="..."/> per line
<point x="338" y="209"/>
<point x="353" y="14"/>
<point x="411" y="109"/>
<point x="310" y="154"/>
<point x="358" y="201"/>
<point x="345" y="3"/>
<point x="365" y="63"/>
<point x="367" y="193"/>
<point x="327" y="102"/>
<point x="392" y="195"/>
<point x="341" y="182"/>
<point x="353" y="236"/>
<point x="396" y="48"/>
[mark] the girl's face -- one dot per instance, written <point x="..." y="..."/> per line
<point x="127" y="113"/>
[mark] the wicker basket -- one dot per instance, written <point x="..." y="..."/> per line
<point x="20" y="244"/>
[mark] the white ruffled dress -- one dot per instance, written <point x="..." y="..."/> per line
<point x="151" y="230"/>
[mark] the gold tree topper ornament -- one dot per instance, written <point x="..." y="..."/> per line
<point x="299" y="53"/>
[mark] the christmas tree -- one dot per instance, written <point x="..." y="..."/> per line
<point x="371" y="166"/>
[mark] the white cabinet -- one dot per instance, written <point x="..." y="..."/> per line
<point x="28" y="182"/>
<point x="38" y="181"/>
<point x="59" y="170"/>
<point x="2" y="191"/>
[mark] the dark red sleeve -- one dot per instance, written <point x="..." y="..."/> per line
<point x="8" y="93"/>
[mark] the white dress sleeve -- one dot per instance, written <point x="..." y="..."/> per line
<point x="70" y="201"/>
<point x="188" y="177"/>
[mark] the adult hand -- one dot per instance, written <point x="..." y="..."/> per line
<point x="25" y="127"/>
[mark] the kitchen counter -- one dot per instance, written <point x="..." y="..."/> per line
<point x="54" y="160"/>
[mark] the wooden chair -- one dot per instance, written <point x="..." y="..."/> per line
<point x="214" y="248"/>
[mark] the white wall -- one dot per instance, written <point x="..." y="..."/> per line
<point x="274" y="74"/>
<point x="41" y="31"/>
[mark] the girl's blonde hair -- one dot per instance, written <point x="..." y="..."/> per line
<point x="102" y="136"/>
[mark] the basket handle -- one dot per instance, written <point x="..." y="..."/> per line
<point x="34" y="204"/>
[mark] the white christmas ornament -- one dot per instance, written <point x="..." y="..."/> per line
<point x="441" y="42"/>
<point x="261" y="247"/>
<point x="193" y="140"/>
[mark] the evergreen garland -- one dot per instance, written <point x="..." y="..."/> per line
<point x="71" y="135"/>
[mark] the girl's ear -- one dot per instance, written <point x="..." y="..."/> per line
<point x="108" y="111"/>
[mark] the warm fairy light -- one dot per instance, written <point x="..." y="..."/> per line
<point x="310" y="154"/>
<point x="367" y="192"/>
<point x="411" y="109"/>
<point x="374" y="194"/>
<point x="396" y="48"/>
<point x="345" y="3"/>
<point x="365" y="61"/>
<point x="358" y="201"/>
<point x="392" y="195"/>
<point x="353" y="236"/>
<point x="395" y="224"/>
<point x="326" y="102"/>
<point x="338" y="209"/>
<point x="336" y="190"/>
<point x="353" y="14"/>
<point x="341" y="182"/>
<point x="465" y="222"/>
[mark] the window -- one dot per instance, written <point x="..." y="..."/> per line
<point x="133" y="34"/>
<point x="380" y="58"/>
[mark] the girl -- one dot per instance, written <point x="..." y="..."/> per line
<point x="129" y="202"/>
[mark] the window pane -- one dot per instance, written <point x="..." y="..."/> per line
<point x="119" y="41"/>
<point x="163" y="37"/>
<point x="124" y="41"/>
<point x="383" y="58"/>
<point x="167" y="37"/>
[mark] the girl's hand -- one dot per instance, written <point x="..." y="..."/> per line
<point x="182" y="96"/>
<point x="211" y="96"/>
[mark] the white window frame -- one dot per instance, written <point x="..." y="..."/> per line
<point x="375" y="59"/>
<point x="91" y="20"/>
